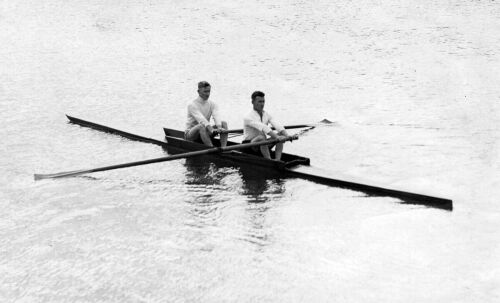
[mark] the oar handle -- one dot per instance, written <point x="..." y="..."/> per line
<point x="240" y="130"/>
<point x="289" y="138"/>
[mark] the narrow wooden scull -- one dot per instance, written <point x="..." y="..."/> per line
<point x="291" y="166"/>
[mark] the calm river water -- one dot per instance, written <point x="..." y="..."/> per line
<point x="414" y="89"/>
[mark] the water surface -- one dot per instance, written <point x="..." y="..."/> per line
<point x="413" y="88"/>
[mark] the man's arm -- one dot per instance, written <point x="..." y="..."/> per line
<point x="280" y="130"/>
<point x="216" y="115"/>
<point x="248" y="121"/>
<point x="198" y="115"/>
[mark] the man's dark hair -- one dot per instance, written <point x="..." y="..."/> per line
<point x="203" y="84"/>
<point x="256" y="94"/>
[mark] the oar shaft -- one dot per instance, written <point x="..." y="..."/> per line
<point x="162" y="159"/>
<point x="115" y="131"/>
<point x="240" y="130"/>
<point x="123" y="165"/>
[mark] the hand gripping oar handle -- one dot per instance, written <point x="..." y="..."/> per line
<point x="164" y="159"/>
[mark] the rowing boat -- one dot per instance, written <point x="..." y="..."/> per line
<point x="290" y="166"/>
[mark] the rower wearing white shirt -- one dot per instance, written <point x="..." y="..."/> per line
<point x="199" y="112"/>
<point x="256" y="127"/>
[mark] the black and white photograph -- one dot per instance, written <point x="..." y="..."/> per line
<point x="250" y="151"/>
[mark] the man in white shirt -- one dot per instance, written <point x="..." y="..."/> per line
<point x="199" y="112"/>
<point x="256" y="128"/>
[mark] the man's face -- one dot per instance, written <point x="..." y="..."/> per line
<point x="204" y="92"/>
<point x="258" y="103"/>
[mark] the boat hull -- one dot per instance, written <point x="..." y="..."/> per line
<point x="176" y="139"/>
<point x="291" y="166"/>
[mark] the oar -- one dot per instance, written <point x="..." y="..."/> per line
<point x="163" y="159"/>
<point x="322" y="122"/>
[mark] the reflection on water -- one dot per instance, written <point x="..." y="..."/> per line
<point x="257" y="184"/>
<point x="200" y="170"/>
<point x="207" y="175"/>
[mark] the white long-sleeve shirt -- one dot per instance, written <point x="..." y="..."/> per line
<point x="254" y="125"/>
<point x="200" y="111"/>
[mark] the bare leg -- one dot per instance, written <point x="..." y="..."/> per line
<point x="205" y="137"/>
<point x="279" y="146"/>
<point x="278" y="151"/>
<point x="265" y="151"/>
<point x="201" y="132"/>
<point x="223" y="137"/>
<point x="263" y="148"/>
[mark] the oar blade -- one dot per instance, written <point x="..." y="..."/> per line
<point x="60" y="175"/>
<point x="326" y="121"/>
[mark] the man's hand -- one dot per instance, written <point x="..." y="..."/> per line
<point x="210" y="130"/>
<point x="282" y="138"/>
<point x="288" y="138"/>
<point x="219" y="130"/>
